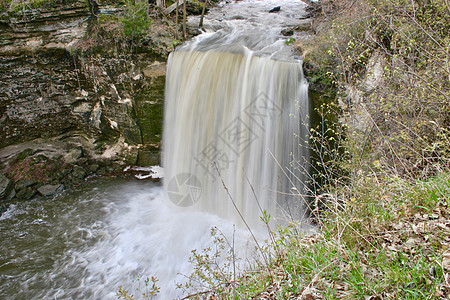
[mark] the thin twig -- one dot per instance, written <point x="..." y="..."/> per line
<point x="243" y="219"/>
<point x="196" y="294"/>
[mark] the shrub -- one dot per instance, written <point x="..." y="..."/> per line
<point x="389" y="60"/>
<point x="135" y="19"/>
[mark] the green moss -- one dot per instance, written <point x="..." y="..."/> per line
<point x="149" y="110"/>
<point x="148" y="157"/>
<point x="17" y="7"/>
<point x="22" y="155"/>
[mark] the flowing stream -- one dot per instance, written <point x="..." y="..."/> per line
<point x="235" y="121"/>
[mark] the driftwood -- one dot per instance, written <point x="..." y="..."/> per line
<point x="173" y="7"/>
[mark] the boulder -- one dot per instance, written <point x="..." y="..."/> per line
<point x="51" y="189"/>
<point x="93" y="167"/>
<point x="78" y="174"/>
<point x="6" y="187"/>
<point x="26" y="193"/>
<point x="275" y="9"/>
<point x="25" y="190"/>
<point x="194" y="7"/>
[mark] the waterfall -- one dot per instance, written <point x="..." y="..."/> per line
<point x="235" y="122"/>
<point x="236" y="111"/>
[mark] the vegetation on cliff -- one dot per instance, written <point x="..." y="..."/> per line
<point x="64" y="75"/>
<point x="389" y="61"/>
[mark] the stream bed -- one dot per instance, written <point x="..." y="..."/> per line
<point x="85" y="244"/>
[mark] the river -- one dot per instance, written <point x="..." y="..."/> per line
<point x="235" y="121"/>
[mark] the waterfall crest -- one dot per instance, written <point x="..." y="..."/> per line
<point x="238" y="118"/>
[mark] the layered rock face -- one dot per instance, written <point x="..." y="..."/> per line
<point x="56" y="99"/>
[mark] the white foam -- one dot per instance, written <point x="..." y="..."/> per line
<point x="10" y="212"/>
<point x="144" y="236"/>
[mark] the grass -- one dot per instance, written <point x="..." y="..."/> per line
<point x="388" y="243"/>
<point x="380" y="245"/>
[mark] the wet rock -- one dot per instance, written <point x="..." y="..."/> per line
<point x="237" y="17"/>
<point x="78" y="172"/>
<point x="194" y="7"/>
<point x="155" y="69"/>
<point x="73" y="155"/>
<point x="24" y="183"/>
<point x="148" y="157"/>
<point x="65" y="171"/>
<point x="305" y="25"/>
<point x="26" y="193"/>
<point x="6" y="187"/>
<point x="51" y="189"/>
<point x="193" y="31"/>
<point x="94" y="167"/>
<point x="101" y="171"/>
<point x="287" y="32"/>
<point x="275" y="9"/>
<point x="82" y="160"/>
<point x="11" y="195"/>
<point x="3" y="208"/>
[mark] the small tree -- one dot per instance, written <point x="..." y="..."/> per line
<point x="135" y="19"/>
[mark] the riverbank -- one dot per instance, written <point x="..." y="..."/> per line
<point x="389" y="240"/>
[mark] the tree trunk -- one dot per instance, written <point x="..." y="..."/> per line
<point x="184" y="21"/>
<point x="203" y="13"/>
<point x="176" y="20"/>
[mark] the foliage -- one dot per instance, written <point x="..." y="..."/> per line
<point x="327" y="143"/>
<point x="149" y="290"/>
<point x="391" y="68"/>
<point x="123" y="29"/>
<point x="393" y="248"/>
<point x="290" y="40"/>
<point x="214" y="269"/>
<point x="16" y="7"/>
<point x="135" y="19"/>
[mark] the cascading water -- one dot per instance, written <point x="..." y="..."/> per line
<point x="236" y="115"/>
<point x="236" y="110"/>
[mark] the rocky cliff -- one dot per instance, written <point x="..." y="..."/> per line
<point x="65" y="106"/>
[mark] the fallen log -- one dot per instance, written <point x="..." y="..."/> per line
<point x="173" y="7"/>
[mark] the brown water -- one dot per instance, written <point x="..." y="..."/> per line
<point x="85" y="244"/>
